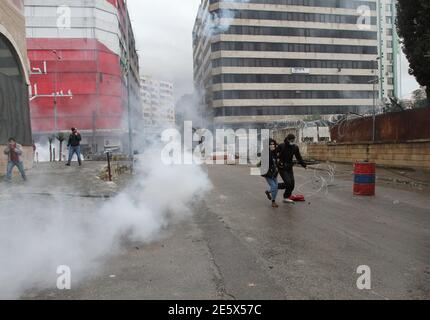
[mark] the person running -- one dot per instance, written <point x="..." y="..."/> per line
<point x="14" y="153"/>
<point x="74" y="146"/>
<point x="271" y="175"/>
<point x="285" y="153"/>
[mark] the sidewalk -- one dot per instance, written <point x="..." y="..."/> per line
<point x="57" y="179"/>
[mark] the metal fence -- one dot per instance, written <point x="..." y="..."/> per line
<point x="399" y="126"/>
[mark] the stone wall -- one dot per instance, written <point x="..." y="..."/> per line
<point x="413" y="154"/>
<point x="12" y="25"/>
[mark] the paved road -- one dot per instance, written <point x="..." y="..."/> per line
<point x="237" y="247"/>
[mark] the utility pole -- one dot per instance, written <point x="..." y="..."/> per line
<point x="57" y="58"/>
<point x="374" y="82"/>
<point x="128" y="71"/>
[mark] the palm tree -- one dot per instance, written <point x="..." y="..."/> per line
<point x="51" y="140"/>
<point x="61" y="136"/>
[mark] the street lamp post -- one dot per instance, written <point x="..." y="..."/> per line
<point x="58" y="58"/>
<point x="128" y="70"/>
<point x="375" y="81"/>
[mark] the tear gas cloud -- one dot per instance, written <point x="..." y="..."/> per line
<point x="219" y="22"/>
<point x="43" y="232"/>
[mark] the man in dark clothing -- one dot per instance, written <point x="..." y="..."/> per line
<point x="74" y="146"/>
<point x="286" y="152"/>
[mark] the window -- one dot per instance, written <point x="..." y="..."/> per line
<point x="291" y="94"/>
<point x="290" y="78"/>
<point x="295" y="63"/>
<point x="301" y="32"/>
<point x="288" y="110"/>
<point x="292" y="16"/>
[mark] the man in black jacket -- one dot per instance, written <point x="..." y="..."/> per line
<point x="286" y="152"/>
<point x="74" y="145"/>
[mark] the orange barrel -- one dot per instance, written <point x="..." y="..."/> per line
<point x="364" y="179"/>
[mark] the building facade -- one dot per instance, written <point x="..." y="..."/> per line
<point x="259" y="62"/>
<point x="389" y="51"/>
<point x="14" y="81"/>
<point x="158" y="105"/>
<point x="84" y="70"/>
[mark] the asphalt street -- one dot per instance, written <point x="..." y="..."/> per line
<point x="237" y="247"/>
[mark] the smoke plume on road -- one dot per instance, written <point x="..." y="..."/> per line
<point x="39" y="232"/>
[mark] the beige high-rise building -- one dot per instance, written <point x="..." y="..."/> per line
<point x="158" y="104"/>
<point x="264" y="61"/>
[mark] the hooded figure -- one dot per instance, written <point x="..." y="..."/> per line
<point x="74" y="146"/>
<point x="286" y="153"/>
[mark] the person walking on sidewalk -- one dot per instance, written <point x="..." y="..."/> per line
<point x="286" y="152"/>
<point x="271" y="175"/>
<point x="14" y="153"/>
<point x="74" y="146"/>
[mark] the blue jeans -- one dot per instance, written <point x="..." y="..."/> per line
<point x="11" y="165"/>
<point x="72" y="151"/>
<point x="273" y="185"/>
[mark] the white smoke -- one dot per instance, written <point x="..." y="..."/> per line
<point x="220" y="22"/>
<point x="42" y="152"/>
<point x="46" y="231"/>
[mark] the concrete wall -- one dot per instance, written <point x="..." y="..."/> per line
<point x="27" y="157"/>
<point x="413" y="154"/>
<point x="12" y="26"/>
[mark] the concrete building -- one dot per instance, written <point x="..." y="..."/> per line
<point x="82" y="56"/>
<point x="264" y="61"/>
<point x="389" y="51"/>
<point x="158" y="105"/>
<point x="14" y="81"/>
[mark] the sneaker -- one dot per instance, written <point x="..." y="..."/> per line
<point x="275" y="205"/>
<point x="269" y="196"/>
<point x="289" y="201"/>
<point x="68" y="164"/>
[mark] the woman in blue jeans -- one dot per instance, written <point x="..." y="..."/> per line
<point x="272" y="174"/>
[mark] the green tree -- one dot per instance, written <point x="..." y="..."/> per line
<point x="419" y="98"/>
<point x="50" y="140"/>
<point x="413" y="26"/>
<point x="61" y="136"/>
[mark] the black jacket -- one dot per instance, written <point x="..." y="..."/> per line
<point x="273" y="168"/>
<point x="74" y="140"/>
<point x="286" y="153"/>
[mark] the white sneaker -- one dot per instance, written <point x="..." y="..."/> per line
<point x="289" y="201"/>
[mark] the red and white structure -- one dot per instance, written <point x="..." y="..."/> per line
<point x="80" y="52"/>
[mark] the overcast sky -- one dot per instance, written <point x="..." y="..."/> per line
<point x="163" y="31"/>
